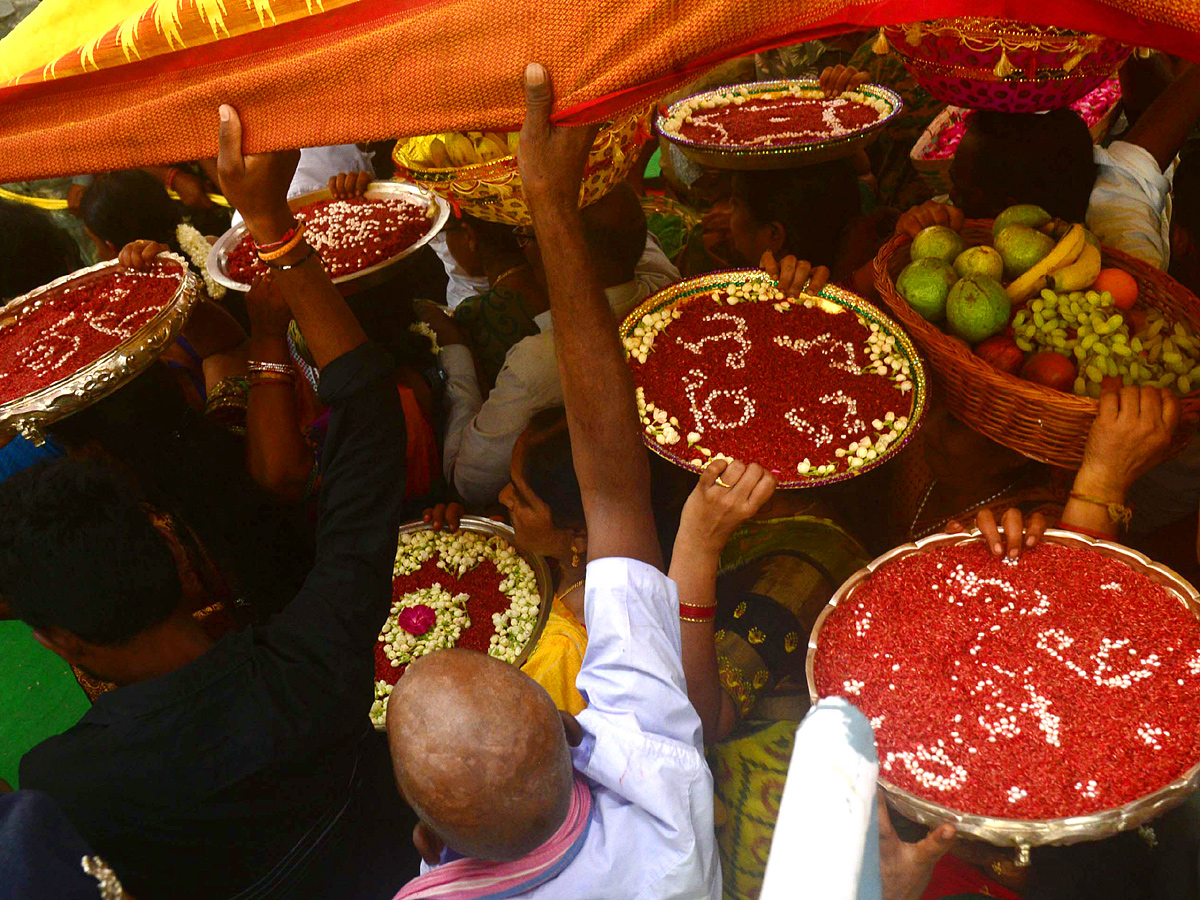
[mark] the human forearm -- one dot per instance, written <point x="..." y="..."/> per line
<point x="1089" y="515"/>
<point x="695" y="574"/>
<point x="277" y="457"/>
<point x="1168" y="121"/>
<point x="329" y="327"/>
<point x="610" y="462"/>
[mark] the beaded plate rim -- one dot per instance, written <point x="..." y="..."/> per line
<point x="741" y="156"/>
<point x="1026" y="833"/>
<point x="681" y="292"/>
<point x="28" y="414"/>
<point x="537" y="562"/>
<point x="218" y="256"/>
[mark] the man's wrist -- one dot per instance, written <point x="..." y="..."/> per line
<point x="269" y="226"/>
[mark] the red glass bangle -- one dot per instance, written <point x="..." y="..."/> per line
<point x="171" y="173"/>
<point x="275" y="245"/>
<point x="1087" y="532"/>
<point x="690" y="613"/>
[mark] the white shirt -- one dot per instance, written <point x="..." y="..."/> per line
<point x="317" y="165"/>
<point x="651" y="836"/>
<point x="1130" y="205"/>
<point x="461" y="285"/>
<point x="480" y="436"/>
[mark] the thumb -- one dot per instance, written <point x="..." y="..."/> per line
<point x="229" y="141"/>
<point x="934" y="845"/>
<point x="539" y="96"/>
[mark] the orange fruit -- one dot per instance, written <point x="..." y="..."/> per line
<point x="1120" y="284"/>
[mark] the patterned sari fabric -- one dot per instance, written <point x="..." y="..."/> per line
<point x="494" y="322"/>
<point x="123" y="83"/>
<point x="776" y="578"/>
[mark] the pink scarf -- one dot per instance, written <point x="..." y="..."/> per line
<point x="480" y="879"/>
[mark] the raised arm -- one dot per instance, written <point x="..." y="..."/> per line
<point x="1167" y="122"/>
<point x="610" y="461"/>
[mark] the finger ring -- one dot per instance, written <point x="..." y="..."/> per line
<point x="722" y="483"/>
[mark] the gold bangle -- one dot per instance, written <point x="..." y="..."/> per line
<point x="287" y="248"/>
<point x="1119" y="513"/>
<point x="271" y="378"/>
<point x="690" y="619"/>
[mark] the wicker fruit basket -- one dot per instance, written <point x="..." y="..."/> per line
<point x="1044" y="424"/>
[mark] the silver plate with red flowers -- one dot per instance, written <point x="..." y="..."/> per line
<point x="30" y="414"/>
<point x="490" y="529"/>
<point x="763" y="154"/>
<point x="437" y="211"/>
<point x="1024" y="834"/>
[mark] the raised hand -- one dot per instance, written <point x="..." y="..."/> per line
<point x="727" y="495"/>
<point x="139" y="254"/>
<point x="256" y="185"/>
<point x="551" y="159"/>
<point x="350" y="184"/>
<point x="906" y="869"/>
<point x="929" y="213"/>
<point x="794" y="276"/>
<point x="836" y="80"/>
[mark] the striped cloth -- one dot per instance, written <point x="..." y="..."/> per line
<point x="480" y="879"/>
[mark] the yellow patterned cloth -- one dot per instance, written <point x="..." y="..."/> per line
<point x="558" y="657"/>
<point x="776" y="578"/>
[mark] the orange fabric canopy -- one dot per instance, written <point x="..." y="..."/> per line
<point x="145" y="89"/>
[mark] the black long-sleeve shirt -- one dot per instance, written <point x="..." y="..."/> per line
<point x="198" y="783"/>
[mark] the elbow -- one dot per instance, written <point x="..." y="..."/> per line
<point x="285" y="482"/>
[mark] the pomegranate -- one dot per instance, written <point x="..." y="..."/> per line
<point x="1051" y="369"/>
<point x="1003" y="353"/>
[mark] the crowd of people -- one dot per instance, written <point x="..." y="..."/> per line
<point x="211" y="546"/>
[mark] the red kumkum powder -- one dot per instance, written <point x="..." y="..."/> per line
<point x="351" y="235"/>
<point x="63" y="331"/>
<point x="1058" y="685"/>
<point x="763" y="386"/>
<point x="482" y="587"/>
<point x="773" y="122"/>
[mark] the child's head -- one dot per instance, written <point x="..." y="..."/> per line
<point x="119" y="207"/>
<point x="1041" y="158"/>
<point x="799" y="212"/>
<point x="33" y="250"/>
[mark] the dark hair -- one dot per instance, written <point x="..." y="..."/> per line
<point x="550" y="473"/>
<point x="615" y="230"/>
<point x="78" y="552"/>
<point x="1186" y="209"/>
<point x="813" y="204"/>
<point x="130" y="206"/>
<point x="195" y="471"/>
<point x="1040" y="158"/>
<point x="33" y="250"/>
<point x="500" y="238"/>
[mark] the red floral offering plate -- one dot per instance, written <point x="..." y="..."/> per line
<point x="1044" y="700"/>
<point x="70" y="342"/>
<point x="354" y="237"/>
<point x="818" y="389"/>
<point x="776" y="124"/>
<point x="472" y="590"/>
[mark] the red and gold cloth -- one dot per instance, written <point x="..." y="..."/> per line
<point x="117" y="83"/>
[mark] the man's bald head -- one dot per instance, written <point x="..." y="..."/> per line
<point x="479" y="752"/>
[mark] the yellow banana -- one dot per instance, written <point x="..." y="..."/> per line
<point x="489" y="148"/>
<point x="1080" y="275"/>
<point x="1064" y="252"/>
<point x="438" y="158"/>
<point x="460" y="150"/>
<point x="513" y="138"/>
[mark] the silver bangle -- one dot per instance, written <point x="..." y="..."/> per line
<point x="277" y="368"/>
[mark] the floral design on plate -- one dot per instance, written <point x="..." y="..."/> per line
<point x="482" y="595"/>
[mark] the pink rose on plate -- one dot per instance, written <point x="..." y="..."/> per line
<point x="417" y="620"/>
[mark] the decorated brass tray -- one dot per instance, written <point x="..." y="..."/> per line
<point x="29" y="414"/>
<point x="885" y="102"/>
<point x="1023" y="834"/>
<point x="437" y="211"/>
<point x="768" y="383"/>
<point x="487" y="528"/>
